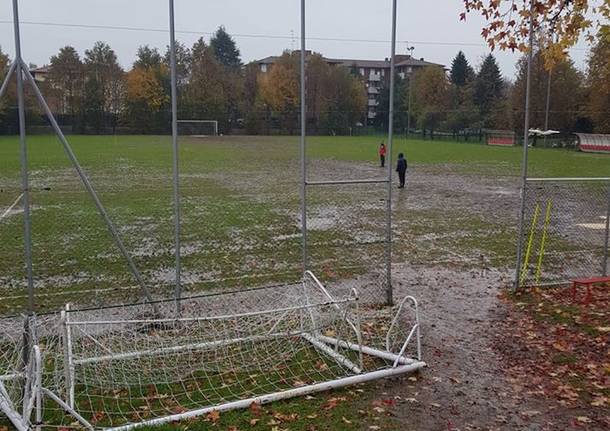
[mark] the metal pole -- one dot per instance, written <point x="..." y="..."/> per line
<point x="409" y="107"/>
<point x="548" y="102"/>
<point x="27" y="224"/>
<point x="525" y="146"/>
<point x="388" y="257"/>
<point x="410" y="75"/>
<point x="85" y="180"/>
<point x="172" y="49"/>
<point x="607" y="238"/>
<point x="303" y="144"/>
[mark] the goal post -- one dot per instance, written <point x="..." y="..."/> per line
<point x="198" y="128"/>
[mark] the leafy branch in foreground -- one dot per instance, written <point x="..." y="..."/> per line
<point x="558" y="23"/>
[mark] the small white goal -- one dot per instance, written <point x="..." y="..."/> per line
<point x="197" y="128"/>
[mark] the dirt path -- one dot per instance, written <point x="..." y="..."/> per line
<point x="464" y="386"/>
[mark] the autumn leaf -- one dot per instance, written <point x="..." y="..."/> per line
<point x="213" y="416"/>
<point x="255" y="409"/>
<point x="583" y="419"/>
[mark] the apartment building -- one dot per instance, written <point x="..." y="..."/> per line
<point x="375" y="73"/>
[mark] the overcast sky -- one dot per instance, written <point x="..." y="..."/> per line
<point x="431" y="26"/>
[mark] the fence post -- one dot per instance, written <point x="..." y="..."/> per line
<point x="607" y="238"/>
<point x="176" y="167"/>
<point x="303" y="145"/>
<point x="525" y="147"/>
<point x="389" y="293"/>
<point x="25" y="188"/>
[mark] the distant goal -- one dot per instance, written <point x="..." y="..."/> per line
<point x="198" y="128"/>
<point x="501" y="138"/>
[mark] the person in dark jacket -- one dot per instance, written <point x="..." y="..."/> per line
<point x="401" y="168"/>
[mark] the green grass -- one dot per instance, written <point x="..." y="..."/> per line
<point x="240" y="197"/>
<point x="239" y="204"/>
<point x="471" y="157"/>
<point x="155" y="152"/>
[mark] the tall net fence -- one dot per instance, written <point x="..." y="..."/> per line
<point x="565" y="230"/>
<point x="347" y="222"/>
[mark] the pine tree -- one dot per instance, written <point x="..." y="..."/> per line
<point x="147" y="58"/>
<point x="66" y="79"/>
<point x="103" y="85"/>
<point x="461" y="71"/>
<point x="488" y="91"/>
<point x="225" y="49"/>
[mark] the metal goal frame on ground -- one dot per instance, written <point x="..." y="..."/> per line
<point x="134" y="365"/>
<point x="43" y="356"/>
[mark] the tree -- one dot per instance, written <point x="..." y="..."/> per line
<point x="401" y="104"/>
<point x="225" y="49"/>
<point x="461" y="71"/>
<point x="343" y="103"/>
<point x="488" y="90"/>
<point x="104" y="86"/>
<point x="183" y="62"/>
<point x="66" y="80"/>
<point x="508" y="22"/>
<point x="148" y="58"/>
<point x="5" y="62"/>
<point x="145" y="98"/>
<point x="5" y="119"/>
<point x="279" y="89"/>
<point x="207" y="96"/>
<point x="567" y="94"/>
<point x="252" y="106"/>
<point x="599" y="82"/>
<point x="430" y="97"/>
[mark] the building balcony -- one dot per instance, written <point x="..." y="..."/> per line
<point x="374" y="77"/>
<point x="373" y="102"/>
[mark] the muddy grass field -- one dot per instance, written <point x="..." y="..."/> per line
<point x="455" y="228"/>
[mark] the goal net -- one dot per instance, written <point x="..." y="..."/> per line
<point x="197" y="128"/>
<point x="147" y="364"/>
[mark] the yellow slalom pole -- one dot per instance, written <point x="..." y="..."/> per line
<point x="547" y="221"/>
<point x="526" y="260"/>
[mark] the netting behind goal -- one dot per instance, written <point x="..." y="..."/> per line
<point x="565" y="230"/>
<point x="198" y="128"/>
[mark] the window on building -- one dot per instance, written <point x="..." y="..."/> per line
<point x="263" y="68"/>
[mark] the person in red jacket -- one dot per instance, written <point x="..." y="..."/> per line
<point x="382" y="152"/>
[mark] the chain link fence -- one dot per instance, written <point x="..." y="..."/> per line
<point x="565" y="230"/>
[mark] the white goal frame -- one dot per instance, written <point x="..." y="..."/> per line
<point x="214" y="124"/>
<point x="394" y="360"/>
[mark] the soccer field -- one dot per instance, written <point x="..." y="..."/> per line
<point x="240" y="201"/>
